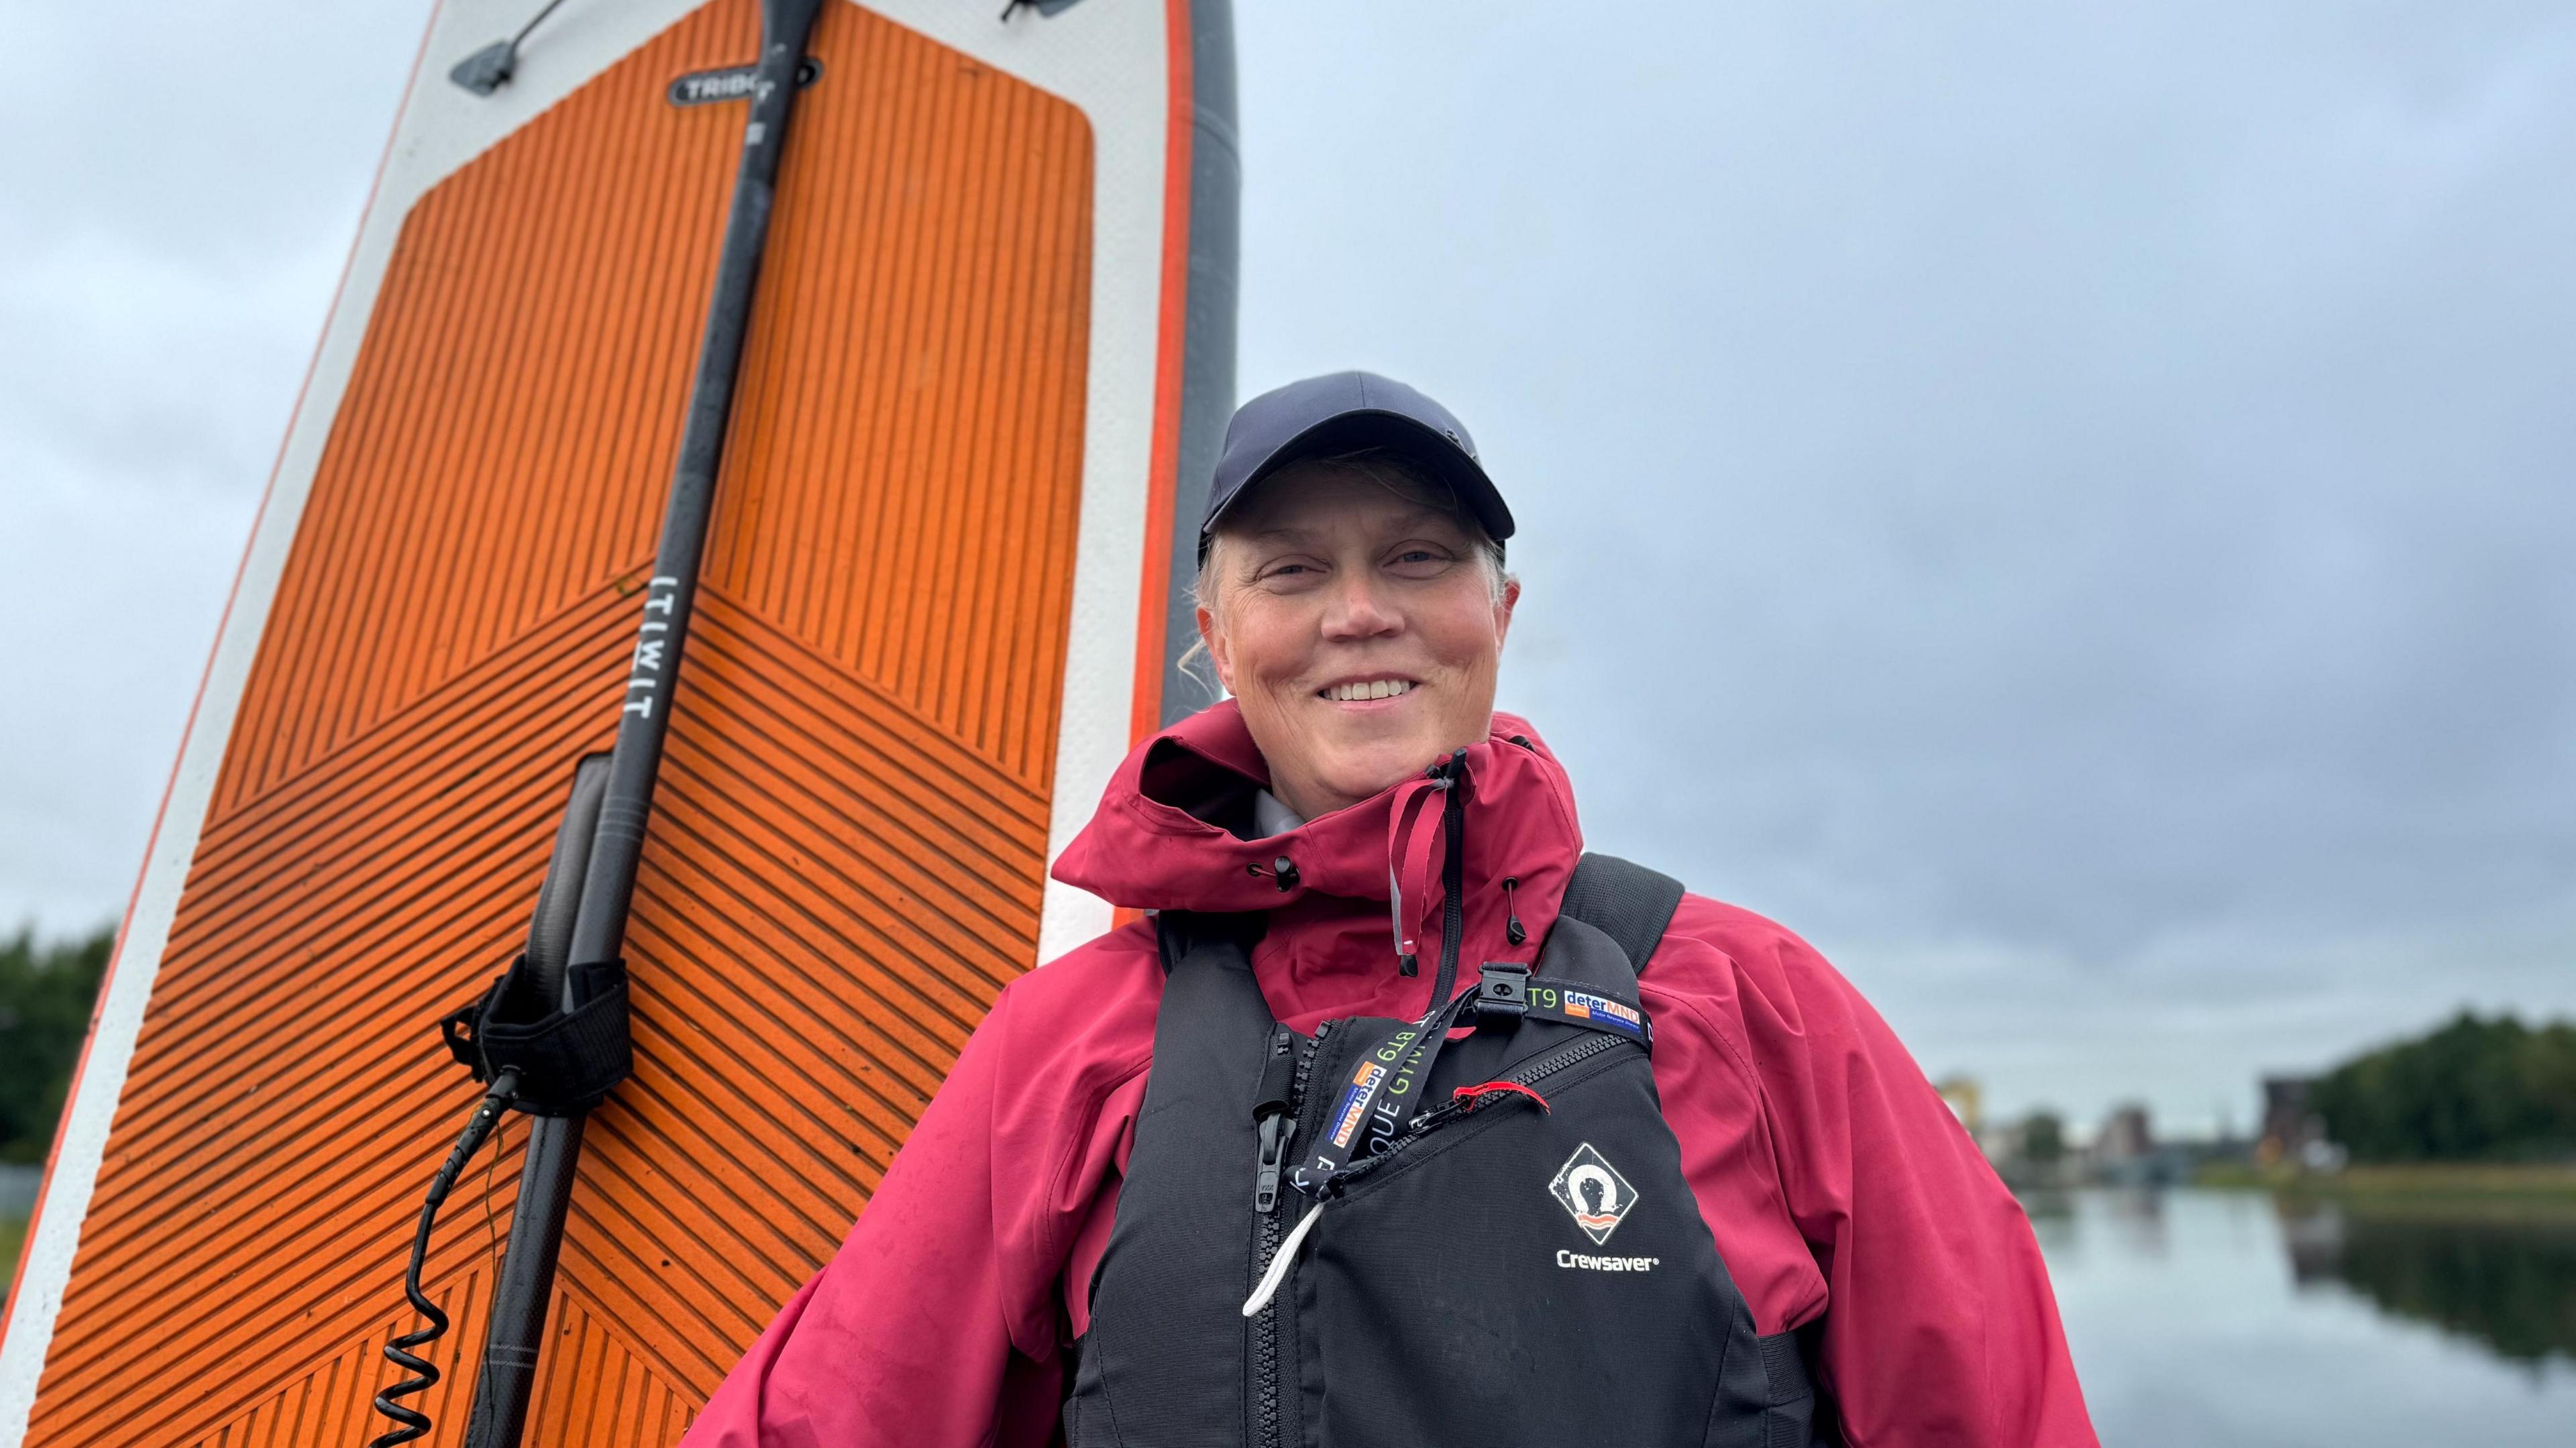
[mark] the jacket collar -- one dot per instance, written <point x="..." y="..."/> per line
<point x="1165" y="838"/>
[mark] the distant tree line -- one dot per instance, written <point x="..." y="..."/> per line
<point x="45" y="996"/>
<point x="2471" y="1090"/>
<point x="2043" y="1135"/>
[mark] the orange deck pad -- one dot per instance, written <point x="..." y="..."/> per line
<point x="845" y="863"/>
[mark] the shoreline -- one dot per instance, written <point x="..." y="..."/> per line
<point x="2473" y="1189"/>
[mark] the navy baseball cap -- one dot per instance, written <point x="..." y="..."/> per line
<point x="1345" y="412"/>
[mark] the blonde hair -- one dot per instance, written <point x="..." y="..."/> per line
<point x="1396" y="473"/>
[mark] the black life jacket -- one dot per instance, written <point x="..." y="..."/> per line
<point x="1519" y="1260"/>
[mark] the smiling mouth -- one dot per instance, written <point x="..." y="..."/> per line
<point x="1365" y="689"/>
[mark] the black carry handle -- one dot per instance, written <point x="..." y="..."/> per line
<point x="567" y="1058"/>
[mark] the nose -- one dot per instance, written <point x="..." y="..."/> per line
<point x="1357" y="610"/>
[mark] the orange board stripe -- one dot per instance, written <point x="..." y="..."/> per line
<point x="1153" y="602"/>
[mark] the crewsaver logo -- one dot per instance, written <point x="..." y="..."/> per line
<point x="1594" y="1192"/>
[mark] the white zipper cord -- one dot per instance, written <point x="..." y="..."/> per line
<point x="1268" y="1286"/>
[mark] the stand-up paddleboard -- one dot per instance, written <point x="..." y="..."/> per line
<point x="990" y="350"/>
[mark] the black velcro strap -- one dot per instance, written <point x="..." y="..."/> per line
<point x="567" y="1060"/>
<point x="1627" y="902"/>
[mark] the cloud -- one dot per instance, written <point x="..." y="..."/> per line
<point x="2063" y="509"/>
<point x="183" y="183"/>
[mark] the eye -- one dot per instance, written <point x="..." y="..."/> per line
<point x="1420" y="560"/>
<point x="1288" y="573"/>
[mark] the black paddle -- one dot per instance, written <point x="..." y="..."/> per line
<point x="516" y="1329"/>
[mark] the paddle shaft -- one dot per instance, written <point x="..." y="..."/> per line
<point x="518" y="1318"/>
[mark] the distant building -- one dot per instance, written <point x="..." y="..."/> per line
<point x="2293" y="1132"/>
<point x="2127" y="1136"/>
<point x="1967" y="1102"/>
<point x="2127" y="1154"/>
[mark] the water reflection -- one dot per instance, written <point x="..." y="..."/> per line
<point x="2508" y="1284"/>
<point x="2228" y="1319"/>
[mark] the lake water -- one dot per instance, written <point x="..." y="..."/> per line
<point x="2229" y="1319"/>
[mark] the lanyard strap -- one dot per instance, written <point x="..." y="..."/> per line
<point x="1507" y="994"/>
<point x="1377" y="1097"/>
<point x="1386" y="1086"/>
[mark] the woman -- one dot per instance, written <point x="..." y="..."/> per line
<point x="1374" y="1133"/>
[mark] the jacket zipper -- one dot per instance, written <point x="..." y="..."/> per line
<point x="1453" y="883"/>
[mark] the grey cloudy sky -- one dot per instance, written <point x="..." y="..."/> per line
<point x="2069" y="511"/>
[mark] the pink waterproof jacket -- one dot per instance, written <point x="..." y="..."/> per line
<point x="1837" y="1184"/>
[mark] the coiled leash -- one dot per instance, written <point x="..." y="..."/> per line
<point x="544" y="1059"/>
<point x="403" y="1351"/>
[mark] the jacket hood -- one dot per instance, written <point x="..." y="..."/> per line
<point x="1170" y="834"/>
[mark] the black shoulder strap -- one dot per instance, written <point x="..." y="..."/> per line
<point x="1627" y="902"/>
<point x="1180" y="931"/>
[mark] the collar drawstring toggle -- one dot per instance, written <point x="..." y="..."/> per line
<point x="1413" y="838"/>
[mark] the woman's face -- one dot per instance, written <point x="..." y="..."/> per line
<point x="1357" y="629"/>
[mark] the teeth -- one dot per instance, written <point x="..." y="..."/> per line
<point x="1374" y="689"/>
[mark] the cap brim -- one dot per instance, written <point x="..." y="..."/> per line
<point x="1354" y="431"/>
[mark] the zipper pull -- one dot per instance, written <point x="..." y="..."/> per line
<point x="1276" y="1130"/>
<point x="1278" y="1074"/>
<point x="1274" y="1112"/>
<point x="1404" y="963"/>
<point x="1468" y="1098"/>
<point x="1277" y="1272"/>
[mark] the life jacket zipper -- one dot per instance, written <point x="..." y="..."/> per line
<point x="1529" y="1073"/>
<point x="1305" y="1068"/>
<point x="1275" y="1120"/>
<point x="1266" y="1387"/>
<point x="1265" y="1340"/>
